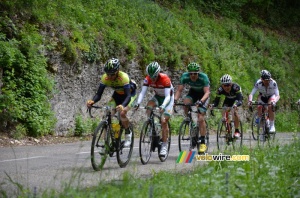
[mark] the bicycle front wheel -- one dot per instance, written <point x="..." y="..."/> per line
<point x="124" y="153"/>
<point x="100" y="146"/>
<point x="162" y="159"/>
<point x="261" y="133"/>
<point x="145" y="144"/>
<point x="222" y="136"/>
<point x="254" y="126"/>
<point x="184" y="137"/>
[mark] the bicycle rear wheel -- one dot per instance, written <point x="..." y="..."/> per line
<point x="124" y="153"/>
<point x="222" y="136"/>
<point x="100" y="146"/>
<point x="162" y="159"/>
<point x="145" y="144"/>
<point x="184" y="137"/>
<point x="254" y="126"/>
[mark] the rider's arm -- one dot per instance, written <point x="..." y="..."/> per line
<point x="128" y="96"/>
<point x="277" y="96"/>
<point x="142" y="94"/>
<point x="178" y="92"/>
<point x="250" y="97"/>
<point x="206" y="94"/>
<point x="99" y="93"/>
<point x="167" y="98"/>
<point x="216" y="101"/>
<point x="239" y="99"/>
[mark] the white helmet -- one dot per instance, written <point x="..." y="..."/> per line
<point x="226" y="79"/>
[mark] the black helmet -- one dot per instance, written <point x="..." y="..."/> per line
<point x="265" y="75"/>
<point x="112" y="66"/>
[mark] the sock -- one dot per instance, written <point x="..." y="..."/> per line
<point x="127" y="131"/>
<point x="272" y="123"/>
<point x="202" y="139"/>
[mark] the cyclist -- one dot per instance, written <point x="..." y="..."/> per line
<point x="123" y="95"/>
<point x="233" y="98"/>
<point x="164" y="98"/>
<point x="199" y="93"/>
<point x="268" y="94"/>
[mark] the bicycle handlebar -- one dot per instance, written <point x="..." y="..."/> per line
<point x="257" y="104"/>
<point x="89" y="109"/>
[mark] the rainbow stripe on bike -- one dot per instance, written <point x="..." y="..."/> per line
<point x="186" y="156"/>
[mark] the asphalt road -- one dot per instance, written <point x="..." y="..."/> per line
<point x="56" y="166"/>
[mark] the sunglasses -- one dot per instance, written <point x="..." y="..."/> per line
<point x="193" y="73"/>
<point x="226" y="85"/>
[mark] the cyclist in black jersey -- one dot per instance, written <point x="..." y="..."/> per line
<point x="123" y="96"/>
<point x="233" y="98"/>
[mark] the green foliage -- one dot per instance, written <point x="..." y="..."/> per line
<point x="26" y="85"/>
<point x="84" y="127"/>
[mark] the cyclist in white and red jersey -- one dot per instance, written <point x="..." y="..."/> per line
<point x="268" y="94"/>
<point x="163" y="98"/>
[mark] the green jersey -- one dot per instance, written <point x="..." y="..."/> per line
<point x="198" y="85"/>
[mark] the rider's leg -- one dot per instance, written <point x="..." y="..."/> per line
<point x="165" y="128"/>
<point x="187" y="100"/>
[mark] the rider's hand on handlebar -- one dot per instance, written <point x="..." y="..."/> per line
<point x="211" y="106"/>
<point x="119" y="108"/>
<point x="199" y="103"/>
<point x="136" y="107"/>
<point x="162" y="108"/>
<point x="250" y="103"/>
<point x="273" y="103"/>
<point x="90" y="103"/>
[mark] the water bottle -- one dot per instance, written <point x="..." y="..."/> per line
<point x="115" y="126"/>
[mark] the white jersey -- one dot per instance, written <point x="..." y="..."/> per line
<point x="269" y="91"/>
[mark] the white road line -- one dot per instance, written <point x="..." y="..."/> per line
<point x="27" y="158"/>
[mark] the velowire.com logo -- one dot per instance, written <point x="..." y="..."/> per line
<point x="188" y="156"/>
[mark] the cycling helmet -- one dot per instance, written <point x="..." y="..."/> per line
<point x="112" y="66"/>
<point x="265" y="75"/>
<point x="226" y="79"/>
<point x="153" y="69"/>
<point x="193" y="67"/>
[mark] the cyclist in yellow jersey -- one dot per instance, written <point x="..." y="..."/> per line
<point x="123" y="96"/>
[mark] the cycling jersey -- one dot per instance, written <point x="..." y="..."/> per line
<point x="121" y="85"/>
<point x="198" y="85"/>
<point x="235" y="94"/>
<point x="265" y="92"/>
<point x="163" y="88"/>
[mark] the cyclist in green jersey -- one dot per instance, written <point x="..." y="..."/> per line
<point x="123" y="96"/>
<point x="199" y="93"/>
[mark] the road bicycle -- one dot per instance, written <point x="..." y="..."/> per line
<point x="226" y="130"/>
<point x="150" y="137"/>
<point x="188" y="137"/>
<point x="261" y="131"/>
<point x="109" y="138"/>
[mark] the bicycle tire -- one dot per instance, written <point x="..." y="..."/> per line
<point x="145" y="144"/>
<point x="238" y="142"/>
<point x="222" y="139"/>
<point x="184" y="137"/>
<point x="100" y="146"/>
<point x="161" y="158"/>
<point x="124" y="153"/>
<point x="254" y="126"/>
<point x="261" y="135"/>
